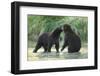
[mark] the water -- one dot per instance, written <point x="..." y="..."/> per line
<point x="83" y="54"/>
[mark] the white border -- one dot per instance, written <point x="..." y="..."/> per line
<point x="26" y="65"/>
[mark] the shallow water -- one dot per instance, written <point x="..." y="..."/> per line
<point x="83" y="54"/>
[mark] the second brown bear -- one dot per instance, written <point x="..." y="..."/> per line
<point x="71" y="40"/>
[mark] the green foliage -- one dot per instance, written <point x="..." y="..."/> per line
<point x="39" y="24"/>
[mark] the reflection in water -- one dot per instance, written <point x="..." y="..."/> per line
<point x="83" y="54"/>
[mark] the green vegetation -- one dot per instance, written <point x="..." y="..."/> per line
<point x="39" y="24"/>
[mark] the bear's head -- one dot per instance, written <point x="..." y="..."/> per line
<point x="57" y="31"/>
<point x="67" y="28"/>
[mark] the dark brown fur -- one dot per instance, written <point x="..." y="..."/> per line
<point x="71" y="40"/>
<point x="47" y="40"/>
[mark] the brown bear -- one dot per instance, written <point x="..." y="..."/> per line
<point x="47" y="40"/>
<point x="71" y="39"/>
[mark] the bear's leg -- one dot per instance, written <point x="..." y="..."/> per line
<point x="36" y="48"/>
<point x="45" y="49"/>
<point x="49" y="47"/>
<point x="72" y="50"/>
<point x="57" y="46"/>
<point x="63" y="47"/>
<point x="65" y="44"/>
